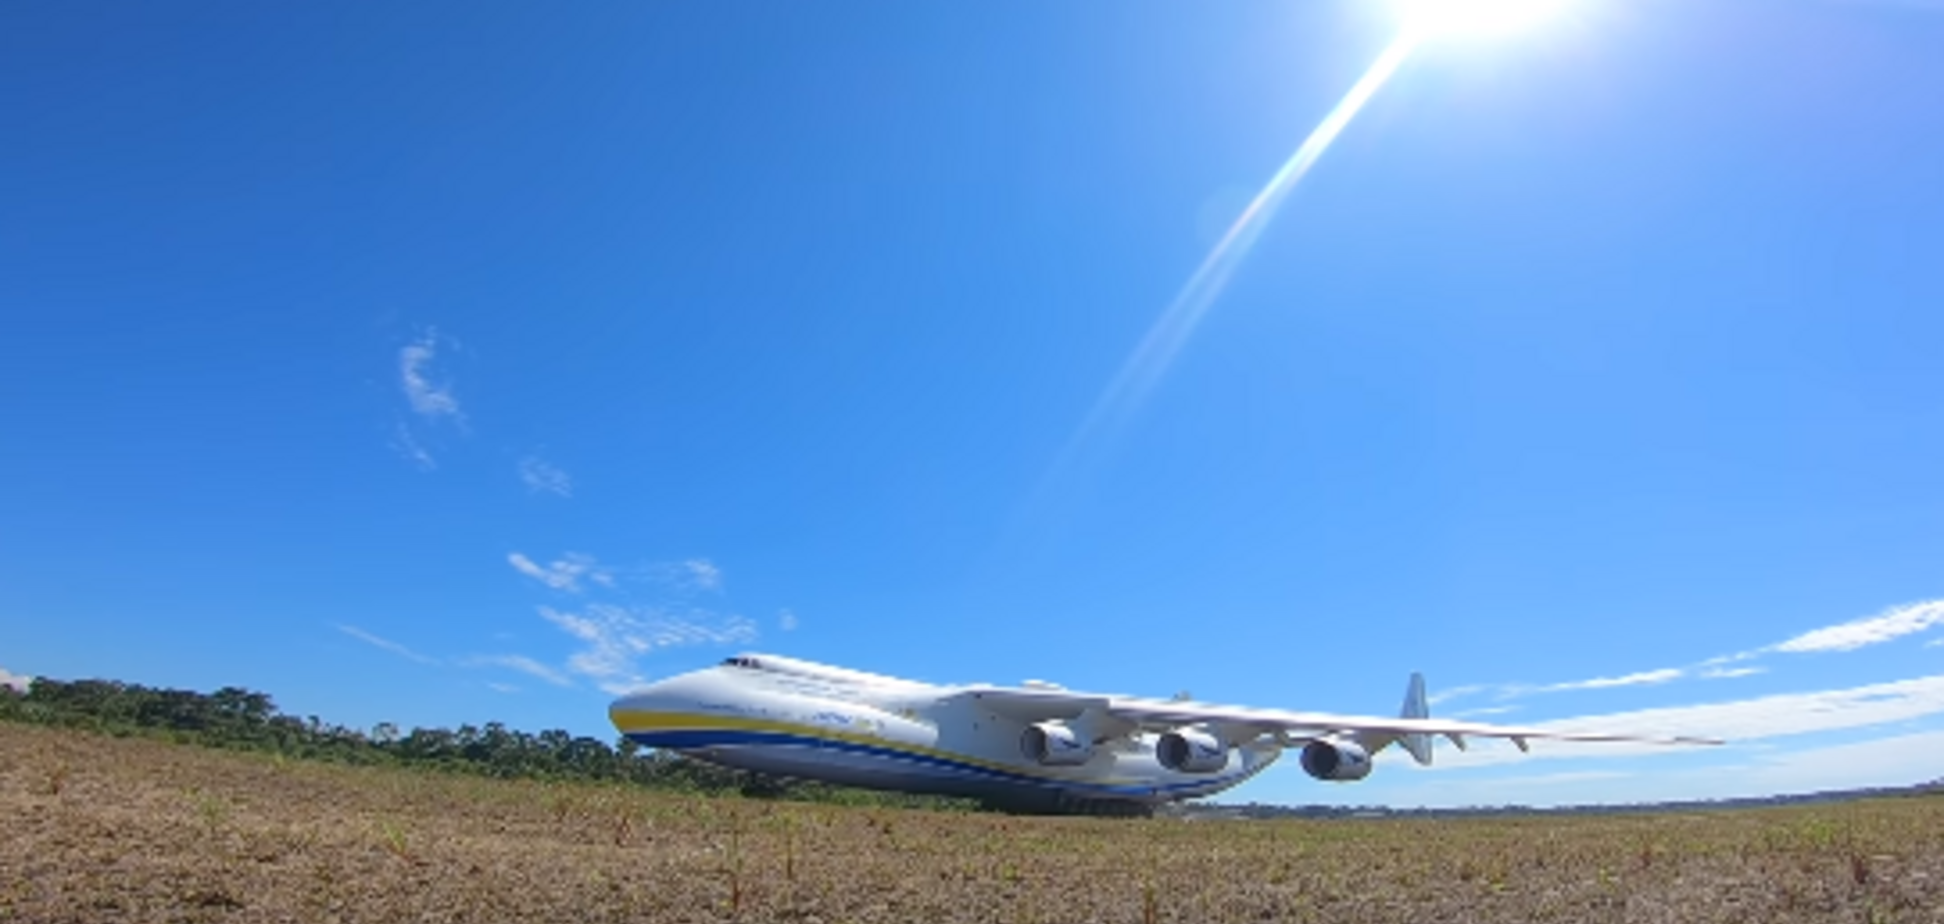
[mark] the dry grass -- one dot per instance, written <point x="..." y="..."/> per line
<point x="101" y="829"/>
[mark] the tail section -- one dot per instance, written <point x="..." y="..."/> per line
<point x="1417" y="744"/>
<point x="1416" y="707"/>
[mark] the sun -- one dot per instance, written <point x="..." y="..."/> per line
<point x="1474" y="18"/>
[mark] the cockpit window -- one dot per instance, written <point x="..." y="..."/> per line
<point x="740" y="661"/>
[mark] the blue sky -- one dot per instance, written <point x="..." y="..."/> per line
<point x="455" y="363"/>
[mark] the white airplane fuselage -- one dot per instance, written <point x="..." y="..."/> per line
<point x="810" y="721"/>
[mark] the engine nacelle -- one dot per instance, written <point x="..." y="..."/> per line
<point x="1055" y="745"/>
<point x="1336" y="760"/>
<point x="1191" y="750"/>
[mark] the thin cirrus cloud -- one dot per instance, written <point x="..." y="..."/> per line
<point x="524" y="665"/>
<point x="615" y="638"/>
<point x="566" y="573"/>
<point x="1730" y="673"/>
<point x="1738" y="721"/>
<point x="542" y="477"/>
<point x="1505" y="691"/>
<point x="682" y="577"/>
<point x="1641" y="678"/>
<point x="520" y="663"/>
<point x="384" y="644"/>
<point x="572" y="572"/>
<point x="408" y="446"/>
<point x="1888" y="626"/>
<point x="428" y="396"/>
<point x="1894" y="760"/>
<point x="1450" y="693"/>
<point x="703" y="574"/>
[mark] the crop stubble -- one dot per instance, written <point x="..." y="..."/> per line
<point x="107" y="829"/>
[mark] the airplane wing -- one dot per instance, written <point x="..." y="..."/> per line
<point x="1117" y="715"/>
<point x="1159" y="715"/>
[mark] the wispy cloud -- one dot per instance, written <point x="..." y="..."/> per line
<point x="1743" y="723"/>
<point x="428" y="396"/>
<point x="684" y="578"/>
<point x="1888" y="625"/>
<point x="502" y="687"/>
<point x="408" y="446"/>
<point x="524" y="665"/>
<point x="384" y="643"/>
<point x="565" y="573"/>
<point x="1505" y="691"/>
<point x="1450" y="693"/>
<point x="1892" y="760"/>
<point x="1895" y="760"/>
<point x="1729" y="673"/>
<point x="703" y="573"/>
<point x="786" y="620"/>
<point x="541" y="477"/>
<point x="15" y="681"/>
<point x="1737" y="721"/>
<point x="1642" y="678"/>
<point x="615" y="638"/>
<point x="1730" y="659"/>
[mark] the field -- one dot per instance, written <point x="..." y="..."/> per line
<point x="107" y="829"/>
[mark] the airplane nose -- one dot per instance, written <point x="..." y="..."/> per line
<point x="651" y="698"/>
<point x="633" y="702"/>
<point x="642" y="700"/>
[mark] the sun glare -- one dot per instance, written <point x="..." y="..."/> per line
<point x="1474" y="18"/>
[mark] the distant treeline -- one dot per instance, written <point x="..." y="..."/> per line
<point x="241" y="719"/>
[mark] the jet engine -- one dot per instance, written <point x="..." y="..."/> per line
<point x="1335" y="759"/>
<point x="1191" y="750"/>
<point x="1055" y="745"/>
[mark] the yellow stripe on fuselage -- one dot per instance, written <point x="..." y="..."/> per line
<point x="631" y="721"/>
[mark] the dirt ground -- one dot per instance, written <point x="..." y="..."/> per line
<point x="105" y="829"/>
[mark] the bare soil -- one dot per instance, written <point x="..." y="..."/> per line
<point x="106" y="829"/>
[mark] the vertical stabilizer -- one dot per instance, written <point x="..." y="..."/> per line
<point x="1416" y="707"/>
<point x="1418" y="745"/>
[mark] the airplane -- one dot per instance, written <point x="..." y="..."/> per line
<point x="1035" y="748"/>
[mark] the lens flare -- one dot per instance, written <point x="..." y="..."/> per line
<point x="1473" y="18"/>
<point x="1419" y="21"/>
<point x="1171" y="331"/>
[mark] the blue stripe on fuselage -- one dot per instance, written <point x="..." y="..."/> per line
<point x="688" y="739"/>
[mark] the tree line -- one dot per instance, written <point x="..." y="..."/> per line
<point x="240" y="719"/>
